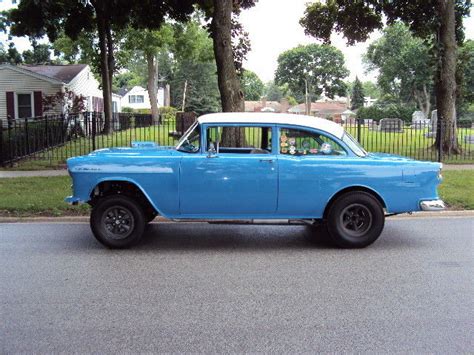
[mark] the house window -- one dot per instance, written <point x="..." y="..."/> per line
<point x="136" y="99"/>
<point x="24" y="105"/>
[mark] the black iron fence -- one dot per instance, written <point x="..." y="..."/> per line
<point x="51" y="140"/>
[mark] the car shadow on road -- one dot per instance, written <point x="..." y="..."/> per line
<point x="203" y="236"/>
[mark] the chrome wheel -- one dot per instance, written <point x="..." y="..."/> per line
<point x="356" y="220"/>
<point x="118" y="222"/>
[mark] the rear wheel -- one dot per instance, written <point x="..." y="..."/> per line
<point x="355" y="220"/>
<point x="117" y="221"/>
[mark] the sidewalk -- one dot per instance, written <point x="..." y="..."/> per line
<point x="14" y="174"/>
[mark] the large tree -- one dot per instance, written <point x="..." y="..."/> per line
<point x="440" y="20"/>
<point x="357" y="95"/>
<point x="312" y="70"/>
<point x="405" y="66"/>
<point x="101" y="17"/>
<point x="149" y="43"/>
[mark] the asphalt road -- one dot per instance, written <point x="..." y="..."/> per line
<point x="213" y="288"/>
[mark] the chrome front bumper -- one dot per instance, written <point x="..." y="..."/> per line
<point x="432" y="205"/>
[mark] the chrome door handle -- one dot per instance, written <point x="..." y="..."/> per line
<point x="266" y="160"/>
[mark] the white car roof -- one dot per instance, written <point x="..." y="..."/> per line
<point x="276" y="118"/>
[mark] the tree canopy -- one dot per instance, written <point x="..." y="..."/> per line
<point x="405" y="66"/>
<point x="252" y="85"/>
<point x="357" y="96"/>
<point x="437" y="20"/>
<point x="321" y="67"/>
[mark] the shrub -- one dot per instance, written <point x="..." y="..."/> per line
<point x="377" y="112"/>
<point x="168" y="113"/>
<point x="127" y="110"/>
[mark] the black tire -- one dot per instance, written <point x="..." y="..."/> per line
<point x="117" y="221"/>
<point x="355" y="220"/>
<point x="150" y="216"/>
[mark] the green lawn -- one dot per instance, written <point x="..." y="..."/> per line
<point x="457" y="189"/>
<point x="45" y="195"/>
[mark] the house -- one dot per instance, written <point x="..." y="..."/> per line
<point x="138" y="98"/>
<point x="324" y="109"/>
<point x="22" y="88"/>
<point x="267" y="106"/>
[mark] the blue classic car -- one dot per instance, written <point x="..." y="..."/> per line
<point x="249" y="166"/>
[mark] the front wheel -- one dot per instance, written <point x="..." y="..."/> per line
<point x="355" y="220"/>
<point x="117" y="221"/>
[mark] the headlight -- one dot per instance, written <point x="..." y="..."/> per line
<point x="440" y="175"/>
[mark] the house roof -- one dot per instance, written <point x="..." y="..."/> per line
<point x="275" y="118"/>
<point x="257" y="106"/>
<point x="62" y="73"/>
<point x="323" y="108"/>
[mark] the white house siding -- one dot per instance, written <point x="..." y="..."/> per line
<point x="138" y="90"/>
<point x="86" y="85"/>
<point x="11" y="80"/>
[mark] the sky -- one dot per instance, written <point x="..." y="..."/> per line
<point x="273" y="27"/>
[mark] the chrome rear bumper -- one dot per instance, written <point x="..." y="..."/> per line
<point x="432" y="205"/>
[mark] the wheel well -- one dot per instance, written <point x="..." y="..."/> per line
<point x="353" y="189"/>
<point x="109" y="188"/>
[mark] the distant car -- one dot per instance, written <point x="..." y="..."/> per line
<point x="248" y="166"/>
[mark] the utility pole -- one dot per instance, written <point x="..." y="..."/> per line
<point x="184" y="95"/>
<point x="307" y="101"/>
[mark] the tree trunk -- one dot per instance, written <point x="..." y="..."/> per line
<point x="111" y="62"/>
<point x="152" y="86"/>
<point x="232" y="97"/>
<point x="427" y="107"/>
<point x="446" y="78"/>
<point x="105" y="74"/>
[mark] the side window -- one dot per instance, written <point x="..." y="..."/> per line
<point x="301" y="142"/>
<point x="239" y="139"/>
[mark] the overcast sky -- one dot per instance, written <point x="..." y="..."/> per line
<point x="273" y="27"/>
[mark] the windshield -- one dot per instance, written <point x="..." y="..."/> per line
<point x="190" y="142"/>
<point x="354" y="145"/>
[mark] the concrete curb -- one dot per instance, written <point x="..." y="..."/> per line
<point x="159" y="219"/>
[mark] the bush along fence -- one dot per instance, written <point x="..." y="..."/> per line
<point x="53" y="139"/>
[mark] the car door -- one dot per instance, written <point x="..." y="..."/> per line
<point x="307" y="160"/>
<point x="227" y="181"/>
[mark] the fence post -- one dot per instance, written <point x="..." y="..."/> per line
<point x="27" y="137"/>
<point x="358" y="129"/>
<point x="94" y="123"/>
<point x="440" y="140"/>
<point x="2" y="157"/>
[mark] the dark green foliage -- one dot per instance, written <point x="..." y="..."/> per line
<point x="40" y="54"/>
<point x="357" y="97"/>
<point x="356" y="20"/>
<point x="377" y="112"/>
<point x="405" y="65"/>
<point x="465" y="79"/>
<point x="202" y="95"/>
<point x="322" y="66"/>
<point x="11" y="55"/>
<point x="252" y="86"/>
